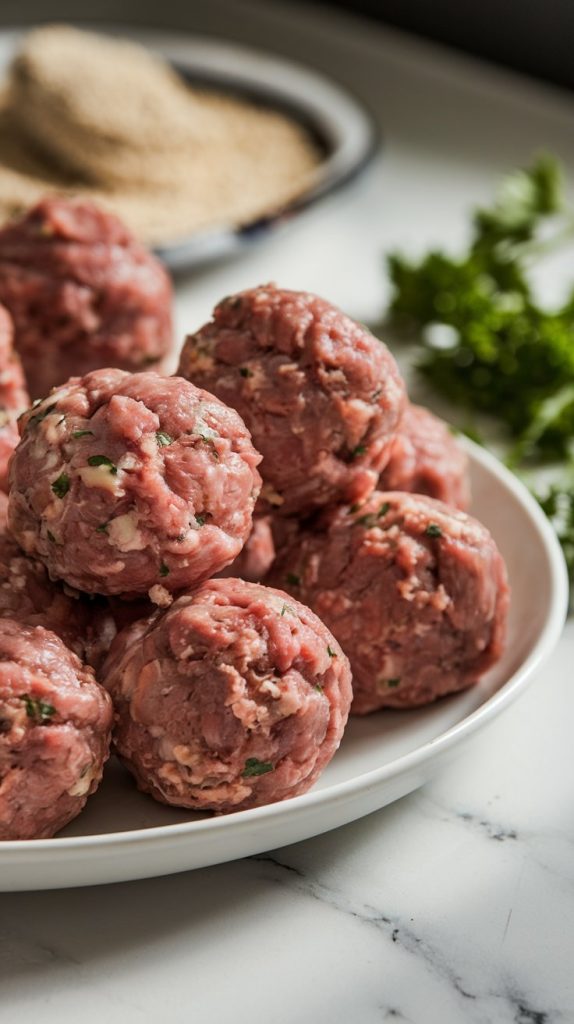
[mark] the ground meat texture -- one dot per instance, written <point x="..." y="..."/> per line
<point x="256" y="557"/>
<point x="13" y="392"/>
<point x="9" y="438"/>
<point x="320" y="395"/>
<point x="427" y="459"/>
<point x="132" y="483"/>
<point x="55" y="723"/>
<point x="14" y="398"/>
<point x="82" y="292"/>
<point x="236" y="696"/>
<point x="28" y="595"/>
<point x="415" y="592"/>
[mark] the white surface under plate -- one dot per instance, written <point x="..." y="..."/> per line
<point x="124" y="835"/>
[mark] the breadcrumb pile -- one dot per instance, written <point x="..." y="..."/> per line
<point x="92" y="115"/>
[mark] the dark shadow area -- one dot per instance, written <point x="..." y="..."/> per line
<point x="532" y="36"/>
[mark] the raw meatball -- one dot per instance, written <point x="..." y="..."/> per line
<point x="320" y="395"/>
<point x="132" y="483"/>
<point x="427" y="459"/>
<point x="236" y="696"/>
<point x="9" y="438"/>
<point x="13" y="392"/>
<point x="55" y="723"/>
<point x="82" y="292"/>
<point x="28" y="595"/>
<point x="256" y="558"/>
<point x="415" y="592"/>
<point x="14" y="398"/>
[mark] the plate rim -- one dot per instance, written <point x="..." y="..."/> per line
<point x="429" y="750"/>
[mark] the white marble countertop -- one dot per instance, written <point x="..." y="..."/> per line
<point x="455" y="904"/>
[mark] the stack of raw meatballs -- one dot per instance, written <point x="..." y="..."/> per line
<point x="207" y="561"/>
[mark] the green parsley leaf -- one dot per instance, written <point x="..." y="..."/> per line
<point x="82" y="433"/>
<point x="163" y="439"/>
<point x="200" y="520"/>
<point x="102" y="460"/>
<point x="331" y="653"/>
<point x="255" y="767"/>
<point x="506" y="354"/>
<point x="38" y="709"/>
<point x="61" y="486"/>
<point x="39" y="416"/>
<point x="367" y="520"/>
<point x="433" y="530"/>
<point x="359" y="450"/>
<point x="102" y="528"/>
<point x="371" y="519"/>
<point x="209" y="441"/>
<point x="164" y="569"/>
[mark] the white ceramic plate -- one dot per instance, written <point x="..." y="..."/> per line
<point x="124" y="835"/>
<point x="343" y="128"/>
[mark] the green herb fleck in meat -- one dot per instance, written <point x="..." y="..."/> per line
<point x="371" y="519"/>
<point x="331" y="652"/>
<point x="245" y="371"/>
<point x="200" y="520"/>
<point x="102" y="460"/>
<point x="392" y="682"/>
<point x="209" y="441"/>
<point x="163" y="439"/>
<point x="293" y="579"/>
<point x="254" y="767"/>
<point x="359" y="450"/>
<point x="164" y="569"/>
<point x="38" y="710"/>
<point x="61" y="486"/>
<point x="82" y="433"/>
<point x="433" y="530"/>
<point x="39" y="416"/>
<point x="102" y="528"/>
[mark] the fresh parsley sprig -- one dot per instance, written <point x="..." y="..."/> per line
<point x="505" y="354"/>
<point x="485" y="341"/>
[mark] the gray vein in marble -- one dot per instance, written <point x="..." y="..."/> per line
<point x="493" y="831"/>
<point x="398" y="932"/>
<point x="15" y="948"/>
<point x="406" y="938"/>
<point x="497" y="832"/>
<point x="390" y="1013"/>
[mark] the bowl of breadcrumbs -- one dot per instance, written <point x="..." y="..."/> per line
<point x="200" y="151"/>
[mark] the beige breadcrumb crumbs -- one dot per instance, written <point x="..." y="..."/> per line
<point x="87" y="114"/>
